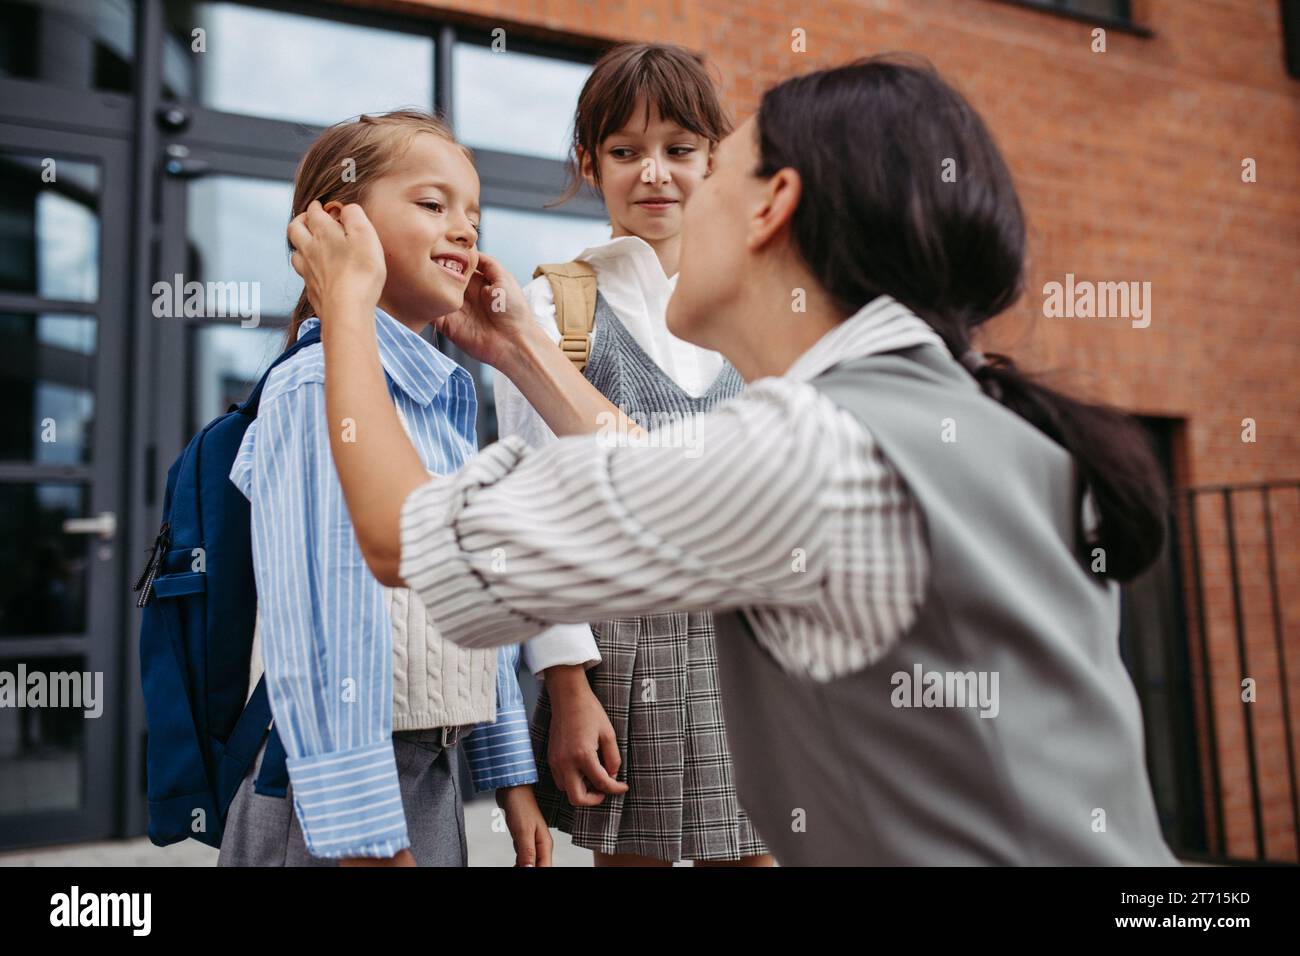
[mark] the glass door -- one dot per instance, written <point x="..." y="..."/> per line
<point x="63" y="266"/>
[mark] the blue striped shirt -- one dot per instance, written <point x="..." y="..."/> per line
<point x="501" y="754"/>
<point x="326" y="633"/>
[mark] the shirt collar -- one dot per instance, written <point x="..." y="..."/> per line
<point x="415" y="366"/>
<point x="882" y="325"/>
<point x="634" y="250"/>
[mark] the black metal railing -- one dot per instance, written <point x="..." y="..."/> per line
<point x="1222" y="531"/>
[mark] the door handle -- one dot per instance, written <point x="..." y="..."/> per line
<point x="179" y="163"/>
<point x="104" y="525"/>
<point x="183" y="167"/>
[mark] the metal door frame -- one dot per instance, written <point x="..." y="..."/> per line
<point x="101" y="644"/>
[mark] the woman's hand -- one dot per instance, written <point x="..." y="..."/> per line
<point x="495" y="320"/>
<point x="528" y="829"/>
<point x="338" y="254"/>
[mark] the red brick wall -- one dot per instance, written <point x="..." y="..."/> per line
<point x="1129" y="164"/>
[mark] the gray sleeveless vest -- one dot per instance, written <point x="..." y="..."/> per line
<point x="622" y="371"/>
<point x="1037" y="754"/>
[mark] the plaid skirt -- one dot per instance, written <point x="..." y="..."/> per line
<point x="658" y="682"/>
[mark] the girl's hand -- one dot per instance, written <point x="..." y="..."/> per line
<point x="339" y="256"/>
<point x="583" y="748"/>
<point x="528" y="828"/>
<point x="495" y="320"/>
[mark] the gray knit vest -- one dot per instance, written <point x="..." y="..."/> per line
<point x="866" y="769"/>
<point x="622" y="371"/>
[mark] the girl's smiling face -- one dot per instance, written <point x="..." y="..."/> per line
<point x="648" y="169"/>
<point x="426" y="213"/>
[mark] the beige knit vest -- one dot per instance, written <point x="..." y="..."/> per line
<point x="435" y="683"/>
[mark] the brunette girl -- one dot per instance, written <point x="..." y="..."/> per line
<point x="647" y="122"/>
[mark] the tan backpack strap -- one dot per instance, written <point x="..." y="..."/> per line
<point x="574" y="286"/>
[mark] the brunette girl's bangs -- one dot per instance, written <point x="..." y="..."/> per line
<point x="671" y="79"/>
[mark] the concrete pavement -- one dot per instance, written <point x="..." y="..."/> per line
<point x="486" y="848"/>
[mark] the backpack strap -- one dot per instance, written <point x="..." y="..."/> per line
<point x="249" y="408"/>
<point x="273" y="779"/>
<point x="254" y="722"/>
<point x="242" y="746"/>
<point x="574" y="287"/>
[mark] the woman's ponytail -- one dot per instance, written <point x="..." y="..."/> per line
<point x="906" y="194"/>
<point x="1114" y="459"/>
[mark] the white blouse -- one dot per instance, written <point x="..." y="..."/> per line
<point x="632" y="281"/>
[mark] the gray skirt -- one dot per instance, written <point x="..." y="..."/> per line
<point x="658" y="682"/>
<point x="264" y="831"/>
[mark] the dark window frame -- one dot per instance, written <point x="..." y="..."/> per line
<point x="1122" y="21"/>
<point x="509" y="180"/>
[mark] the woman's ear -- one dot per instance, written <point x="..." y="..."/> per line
<point x="777" y="202"/>
<point x="334" y="208"/>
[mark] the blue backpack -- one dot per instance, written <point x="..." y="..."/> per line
<point x="196" y="640"/>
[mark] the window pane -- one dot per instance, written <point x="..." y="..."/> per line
<point x="41" y="747"/>
<point x="86" y="46"/>
<point x="227" y="362"/>
<point x="236" y="229"/>
<point x="1101" y="8"/>
<point x="522" y="238"/>
<point x="43" y="589"/>
<point x="515" y="102"/>
<point x="49" y="227"/>
<point x="47" y="383"/>
<point x="287" y="66"/>
<point x="1115" y="9"/>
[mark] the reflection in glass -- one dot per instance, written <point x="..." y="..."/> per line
<point x="228" y="360"/>
<point x="236" y="229"/>
<point x="41" y="747"/>
<point x="43" y="589"/>
<point x="47" y="388"/>
<point x="287" y="66"/>
<point x="49" y="227"/>
<point x="515" y="102"/>
<point x="71" y="43"/>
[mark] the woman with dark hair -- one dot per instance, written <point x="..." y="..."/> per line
<point x="918" y="545"/>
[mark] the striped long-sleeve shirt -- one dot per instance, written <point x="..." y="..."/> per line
<point x="779" y="502"/>
<point x="325" y="631"/>
<point x="501" y="754"/>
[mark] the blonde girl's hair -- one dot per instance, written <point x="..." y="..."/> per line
<point x="346" y="158"/>
<point x="672" y="78"/>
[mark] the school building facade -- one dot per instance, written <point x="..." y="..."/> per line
<point x="1156" y="144"/>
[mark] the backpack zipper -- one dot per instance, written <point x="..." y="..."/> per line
<point x="145" y="583"/>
